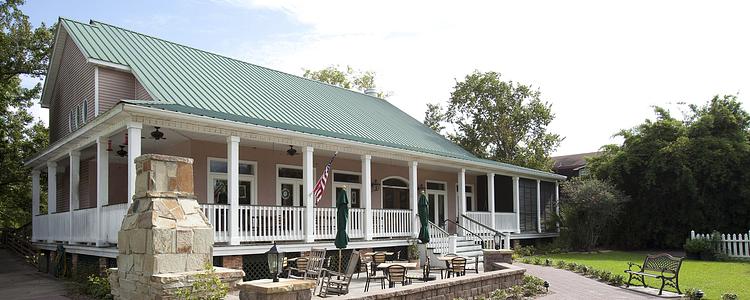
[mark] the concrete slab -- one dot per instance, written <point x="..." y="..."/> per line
<point x="19" y="280"/>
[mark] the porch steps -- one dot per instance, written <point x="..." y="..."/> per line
<point x="467" y="248"/>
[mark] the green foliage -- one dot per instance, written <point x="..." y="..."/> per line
<point x="499" y="120"/>
<point x="605" y="276"/>
<point x="413" y="250"/>
<point x="591" y="206"/>
<point x="617" y="280"/>
<point x="499" y="295"/>
<point x="682" y="174"/>
<point x="691" y="294"/>
<point x="207" y="286"/>
<point x="92" y="286"/>
<point x="729" y="296"/>
<point x="433" y="117"/>
<point x="347" y="78"/>
<point x="705" y="249"/>
<point x="537" y="261"/>
<point x="523" y="251"/>
<point x="24" y="50"/>
<point x="515" y="292"/>
<point x="533" y="286"/>
<point x="560" y="264"/>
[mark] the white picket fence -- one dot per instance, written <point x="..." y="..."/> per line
<point x="733" y="245"/>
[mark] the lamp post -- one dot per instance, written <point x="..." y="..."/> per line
<point x="699" y="294"/>
<point x="546" y="286"/>
<point x="274" y="262"/>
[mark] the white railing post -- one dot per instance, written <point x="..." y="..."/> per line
<point x="452" y="244"/>
<point x="34" y="203"/>
<point x="308" y="182"/>
<point x="75" y="167"/>
<point x="692" y="234"/>
<point x="367" y="195"/>
<point x="491" y="199"/>
<point x="134" y="150"/>
<point x="413" y="197"/>
<point x="538" y="206"/>
<point x="102" y="188"/>
<point x="233" y="188"/>
<point x="516" y="203"/>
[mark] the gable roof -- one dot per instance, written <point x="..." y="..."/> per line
<point x="188" y="80"/>
<point x="572" y="161"/>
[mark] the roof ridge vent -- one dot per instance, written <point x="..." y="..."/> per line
<point x="371" y="92"/>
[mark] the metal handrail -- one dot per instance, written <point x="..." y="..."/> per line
<point x="496" y="232"/>
<point x="481" y="240"/>
<point x="433" y="225"/>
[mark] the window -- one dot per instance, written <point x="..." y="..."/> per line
<point x="431" y="185"/>
<point x="469" y="197"/>
<point x="527" y="201"/>
<point x="290" y="172"/>
<point x="84" y="111"/>
<point x="349" y="183"/>
<point x="346" y="177"/>
<point x="70" y="121"/>
<point x="395" y="193"/>
<point x="217" y="181"/>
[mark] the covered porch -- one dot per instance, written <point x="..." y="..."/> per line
<point x="255" y="184"/>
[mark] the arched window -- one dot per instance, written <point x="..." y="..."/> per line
<point x="395" y="192"/>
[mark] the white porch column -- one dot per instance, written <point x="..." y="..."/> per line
<point x="233" y="188"/>
<point x="491" y="198"/>
<point x="102" y="188"/>
<point x="34" y="201"/>
<point x="51" y="196"/>
<point x="557" y="202"/>
<point x="75" y="176"/>
<point x="461" y="200"/>
<point x="516" y="204"/>
<point x="134" y="150"/>
<point x="538" y="206"/>
<point x="367" y="193"/>
<point x="413" y="197"/>
<point x="307" y="186"/>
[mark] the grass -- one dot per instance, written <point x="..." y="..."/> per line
<point x="713" y="277"/>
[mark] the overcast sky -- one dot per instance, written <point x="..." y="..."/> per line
<point x="601" y="64"/>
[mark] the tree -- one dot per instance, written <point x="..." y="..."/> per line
<point x="590" y="207"/>
<point x="682" y="175"/>
<point x="347" y="78"/>
<point x="433" y="117"/>
<point x="501" y="120"/>
<point x="23" y="51"/>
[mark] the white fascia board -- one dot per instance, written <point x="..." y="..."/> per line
<point x="430" y="158"/>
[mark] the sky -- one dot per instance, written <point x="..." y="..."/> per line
<point x="602" y="65"/>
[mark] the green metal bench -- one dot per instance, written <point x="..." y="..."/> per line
<point x="661" y="266"/>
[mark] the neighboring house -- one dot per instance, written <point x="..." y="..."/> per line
<point x="114" y="94"/>
<point x="572" y="165"/>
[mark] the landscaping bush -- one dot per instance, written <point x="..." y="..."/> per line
<point x="590" y="206"/>
<point x="207" y="286"/>
<point x="729" y="296"/>
<point x="523" y="251"/>
<point x="617" y="280"/>
<point x="705" y="249"/>
<point x="533" y="286"/>
<point x="93" y="286"/>
<point x="561" y="264"/>
<point x="537" y="261"/>
<point x="571" y="266"/>
<point x="691" y="294"/>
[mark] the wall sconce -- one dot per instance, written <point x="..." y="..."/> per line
<point x="375" y="185"/>
<point x="421" y="187"/>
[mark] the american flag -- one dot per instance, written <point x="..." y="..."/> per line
<point x="320" y="186"/>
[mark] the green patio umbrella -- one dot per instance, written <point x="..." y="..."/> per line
<point x="424" y="233"/>
<point x="342" y="216"/>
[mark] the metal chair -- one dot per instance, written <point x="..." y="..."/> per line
<point x="300" y="268"/>
<point x="363" y="260"/>
<point x="340" y="284"/>
<point x="458" y="267"/>
<point x="378" y="258"/>
<point x="370" y="270"/>
<point x="396" y="275"/>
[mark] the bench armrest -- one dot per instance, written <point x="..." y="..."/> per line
<point x="631" y="264"/>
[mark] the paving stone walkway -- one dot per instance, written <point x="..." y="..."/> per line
<point x="19" y="280"/>
<point x="568" y="285"/>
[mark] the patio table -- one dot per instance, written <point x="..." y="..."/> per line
<point x="373" y="253"/>
<point x="407" y="265"/>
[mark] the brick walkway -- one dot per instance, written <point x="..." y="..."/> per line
<point x="19" y="280"/>
<point x="568" y="285"/>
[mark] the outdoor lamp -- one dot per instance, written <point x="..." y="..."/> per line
<point x="699" y="294"/>
<point x="546" y="286"/>
<point x="274" y="262"/>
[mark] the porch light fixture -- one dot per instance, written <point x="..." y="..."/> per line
<point x="109" y="145"/>
<point x="699" y="294"/>
<point x="157" y="135"/>
<point x="122" y="152"/>
<point x="274" y="262"/>
<point x="375" y="185"/>
<point x="546" y="286"/>
<point x="291" y="151"/>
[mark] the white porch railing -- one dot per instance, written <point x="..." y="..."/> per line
<point x="271" y="223"/>
<point x="438" y="239"/>
<point x="391" y="222"/>
<point x="355" y="228"/>
<point x="484" y="218"/>
<point x="733" y="245"/>
<point x="84" y="225"/>
<point x="505" y="222"/>
<point x="40" y="227"/>
<point x="61" y="229"/>
<point x="325" y="223"/>
<point x="218" y="216"/>
<point x="112" y="216"/>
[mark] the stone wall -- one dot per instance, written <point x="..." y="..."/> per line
<point x="492" y="257"/>
<point x="471" y="286"/>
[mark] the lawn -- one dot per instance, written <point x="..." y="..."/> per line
<point x="714" y="278"/>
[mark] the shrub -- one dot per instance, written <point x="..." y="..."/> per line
<point x="515" y="292"/>
<point x="537" y="261"/>
<point x="499" y="295"/>
<point x="207" y="286"/>
<point x="561" y="264"/>
<point x="617" y="280"/>
<point x="571" y="266"/>
<point x="729" y="296"/>
<point x="691" y="294"/>
<point x="95" y="286"/>
<point x="591" y="205"/>
<point x="548" y="262"/>
<point x="605" y="276"/>
<point x="526" y="260"/>
<point x="582" y="269"/>
<point x="522" y="251"/>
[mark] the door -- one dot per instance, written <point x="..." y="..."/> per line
<point x="290" y="192"/>
<point x="352" y="193"/>
<point x="436" y="207"/>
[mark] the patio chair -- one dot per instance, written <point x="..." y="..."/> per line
<point x="363" y="260"/>
<point x="396" y="275"/>
<point x="340" y="284"/>
<point x="473" y="265"/>
<point x="423" y="274"/>
<point x="315" y="264"/>
<point x="378" y="258"/>
<point x="458" y="267"/>
<point x="370" y="270"/>
<point x="300" y="268"/>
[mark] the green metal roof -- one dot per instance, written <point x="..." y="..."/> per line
<point x="188" y="80"/>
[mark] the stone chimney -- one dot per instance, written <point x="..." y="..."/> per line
<point x="164" y="232"/>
